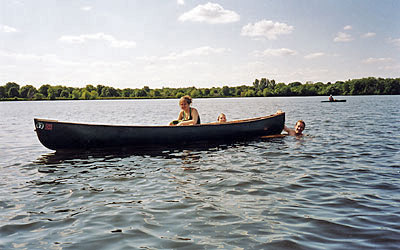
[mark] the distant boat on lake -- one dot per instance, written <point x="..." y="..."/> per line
<point x="335" y="100"/>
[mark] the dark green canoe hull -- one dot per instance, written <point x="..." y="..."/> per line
<point x="64" y="135"/>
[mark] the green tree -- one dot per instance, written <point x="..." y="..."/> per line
<point x="38" y="96"/>
<point x="215" y="92"/>
<point x="146" y="88"/>
<point x="157" y="93"/>
<point x="263" y="84"/>
<point x="195" y="93"/>
<point x="133" y="92"/>
<point x="179" y="94"/>
<point x="65" y="93"/>
<point x="105" y="92"/>
<point x="99" y="89"/>
<point x="10" y="85"/>
<point x="319" y="88"/>
<point x="109" y="92"/>
<point x="90" y="88"/>
<point x="27" y="91"/>
<point x="127" y="92"/>
<point x="294" y="84"/>
<point x="94" y="95"/>
<point x="371" y="85"/>
<point x="357" y="87"/>
<point x="226" y="91"/>
<point x="267" y="92"/>
<point x="281" y="89"/>
<point x="250" y="93"/>
<point x="43" y="89"/>
<point x="85" y="95"/>
<point x="141" y="93"/>
<point x="113" y="92"/>
<point x="309" y="90"/>
<point x="57" y="90"/>
<point x="3" y="92"/>
<point x="31" y="93"/>
<point x="51" y="93"/>
<point x="391" y="86"/>
<point x="165" y="92"/>
<point x="256" y="84"/>
<point x="76" y="94"/>
<point x="13" y="92"/>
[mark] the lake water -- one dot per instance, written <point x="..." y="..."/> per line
<point x="337" y="188"/>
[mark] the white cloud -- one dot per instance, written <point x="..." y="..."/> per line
<point x="276" y="52"/>
<point x="55" y="62"/>
<point x="395" y="41"/>
<point x="35" y="59"/>
<point x="210" y="13"/>
<point x="87" y="8"/>
<point x="343" y="37"/>
<point x="314" y="55"/>
<point x="201" y="51"/>
<point x="347" y="27"/>
<point x="267" y="29"/>
<point x="180" y="2"/>
<point x="392" y="67"/>
<point x="369" y="34"/>
<point x="7" y="29"/>
<point x="377" y="60"/>
<point x="99" y="36"/>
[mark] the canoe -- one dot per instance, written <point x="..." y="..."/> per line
<point x="335" y="101"/>
<point x="57" y="135"/>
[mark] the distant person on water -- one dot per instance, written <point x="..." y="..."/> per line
<point x="331" y="99"/>
<point x="221" y="118"/>
<point x="188" y="115"/>
<point x="298" y="128"/>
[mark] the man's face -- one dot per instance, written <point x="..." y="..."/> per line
<point x="299" y="128"/>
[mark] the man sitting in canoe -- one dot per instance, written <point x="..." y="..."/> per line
<point x="331" y="99"/>
<point x="188" y="115"/>
<point x="298" y="128"/>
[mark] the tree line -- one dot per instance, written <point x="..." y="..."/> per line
<point x="263" y="87"/>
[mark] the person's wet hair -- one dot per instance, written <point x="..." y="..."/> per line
<point x="187" y="98"/>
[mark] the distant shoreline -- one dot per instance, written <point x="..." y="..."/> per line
<point x="260" y="88"/>
<point x="160" y="98"/>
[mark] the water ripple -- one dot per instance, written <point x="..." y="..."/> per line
<point x="337" y="188"/>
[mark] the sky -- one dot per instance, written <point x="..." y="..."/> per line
<point x="184" y="43"/>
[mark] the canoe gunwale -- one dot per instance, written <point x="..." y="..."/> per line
<point x="162" y="126"/>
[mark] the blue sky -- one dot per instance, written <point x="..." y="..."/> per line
<point x="178" y="43"/>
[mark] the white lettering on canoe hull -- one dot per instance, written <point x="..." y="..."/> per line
<point x="40" y="125"/>
<point x="45" y="126"/>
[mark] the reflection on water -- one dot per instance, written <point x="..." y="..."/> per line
<point x="334" y="189"/>
<point x="184" y="153"/>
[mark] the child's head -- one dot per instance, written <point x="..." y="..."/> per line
<point x="222" y="118"/>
